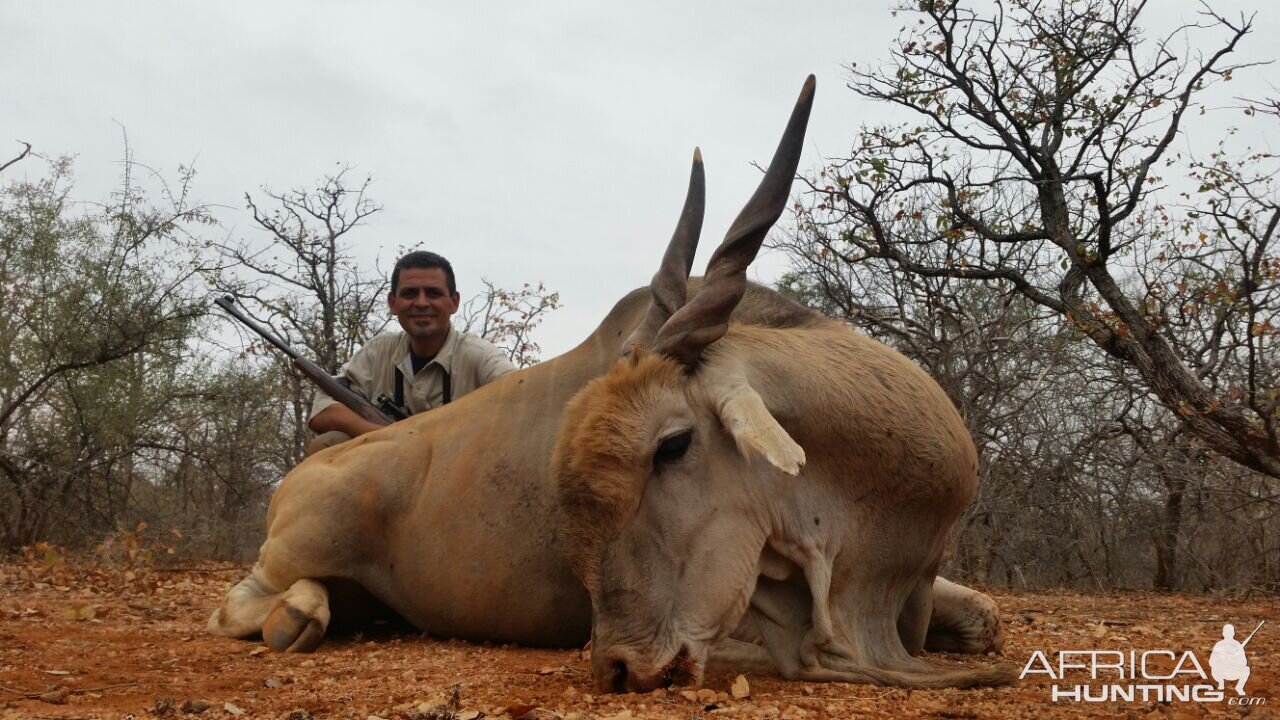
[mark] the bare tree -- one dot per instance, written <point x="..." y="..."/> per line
<point x="304" y="281"/>
<point x="507" y="318"/>
<point x="1044" y="127"/>
<point x="18" y="158"/>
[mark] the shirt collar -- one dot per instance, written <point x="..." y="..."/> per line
<point x="444" y="358"/>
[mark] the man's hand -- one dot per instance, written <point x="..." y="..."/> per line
<point x="341" y="417"/>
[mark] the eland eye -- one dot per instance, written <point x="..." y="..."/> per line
<point x="673" y="447"/>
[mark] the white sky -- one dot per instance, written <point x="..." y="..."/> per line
<point x="525" y="141"/>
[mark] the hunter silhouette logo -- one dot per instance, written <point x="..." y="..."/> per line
<point x="1228" y="662"/>
<point x="1161" y="675"/>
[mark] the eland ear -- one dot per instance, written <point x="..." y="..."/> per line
<point x="754" y="429"/>
<point x="669" y="285"/>
<point x="705" y="318"/>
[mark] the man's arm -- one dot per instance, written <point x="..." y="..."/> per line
<point x="328" y="414"/>
<point x="340" y="417"/>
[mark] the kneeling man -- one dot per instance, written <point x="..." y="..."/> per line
<point x="427" y="365"/>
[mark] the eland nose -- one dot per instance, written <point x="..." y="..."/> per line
<point x="614" y="674"/>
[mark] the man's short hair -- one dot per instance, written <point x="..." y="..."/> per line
<point x="425" y="260"/>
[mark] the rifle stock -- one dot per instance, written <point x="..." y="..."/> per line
<point x="326" y="382"/>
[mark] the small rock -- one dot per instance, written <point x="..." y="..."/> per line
<point x="194" y="707"/>
<point x="539" y="714"/>
<point x="55" y="697"/>
<point x="706" y="695"/>
<point x="298" y="715"/>
<point x="271" y="683"/>
<point x="164" y="707"/>
<point x="232" y="709"/>
<point x="690" y="695"/>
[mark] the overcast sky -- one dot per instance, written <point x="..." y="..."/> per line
<point x="525" y="141"/>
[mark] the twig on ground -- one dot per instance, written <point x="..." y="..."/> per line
<point x="881" y="696"/>
<point x="202" y="570"/>
<point x="27" y="695"/>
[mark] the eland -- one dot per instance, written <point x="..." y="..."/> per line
<point x="716" y="476"/>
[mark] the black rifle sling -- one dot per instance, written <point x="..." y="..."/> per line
<point x="399" y="391"/>
<point x="448" y="388"/>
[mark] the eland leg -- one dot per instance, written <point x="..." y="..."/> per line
<point x="290" y="621"/>
<point x="963" y="621"/>
<point x="299" y="619"/>
<point x="323" y="524"/>
<point x="246" y="606"/>
<point x="283" y="598"/>
<point x="857" y="615"/>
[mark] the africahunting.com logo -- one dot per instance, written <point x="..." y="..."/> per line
<point x="1151" y="675"/>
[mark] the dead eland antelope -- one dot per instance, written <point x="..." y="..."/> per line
<point x="733" y="479"/>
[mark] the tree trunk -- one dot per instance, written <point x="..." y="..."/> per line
<point x="1175" y="484"/>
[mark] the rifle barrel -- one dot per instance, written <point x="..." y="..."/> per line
<point x="315" y="373"/>
<point x="1255" y="631"/>
<point x="227" y="302"/>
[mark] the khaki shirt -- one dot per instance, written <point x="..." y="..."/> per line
<point x="470" y="361"/>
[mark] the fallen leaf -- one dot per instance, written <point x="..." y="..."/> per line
<point x="164" y="707"/>
<point x="57" y="672"/>
<point x="741" y="688"/>
<point x="232" y="709"/>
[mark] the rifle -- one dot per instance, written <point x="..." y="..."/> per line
<point x="384" y="413"/>
<point x="1255" y="632"/>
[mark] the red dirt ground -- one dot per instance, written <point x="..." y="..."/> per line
<point x="84" y="641"/>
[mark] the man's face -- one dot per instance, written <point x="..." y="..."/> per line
<point x="422" y="302"/>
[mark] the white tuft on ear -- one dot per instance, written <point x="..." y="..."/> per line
<point x="755" y="430"/>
